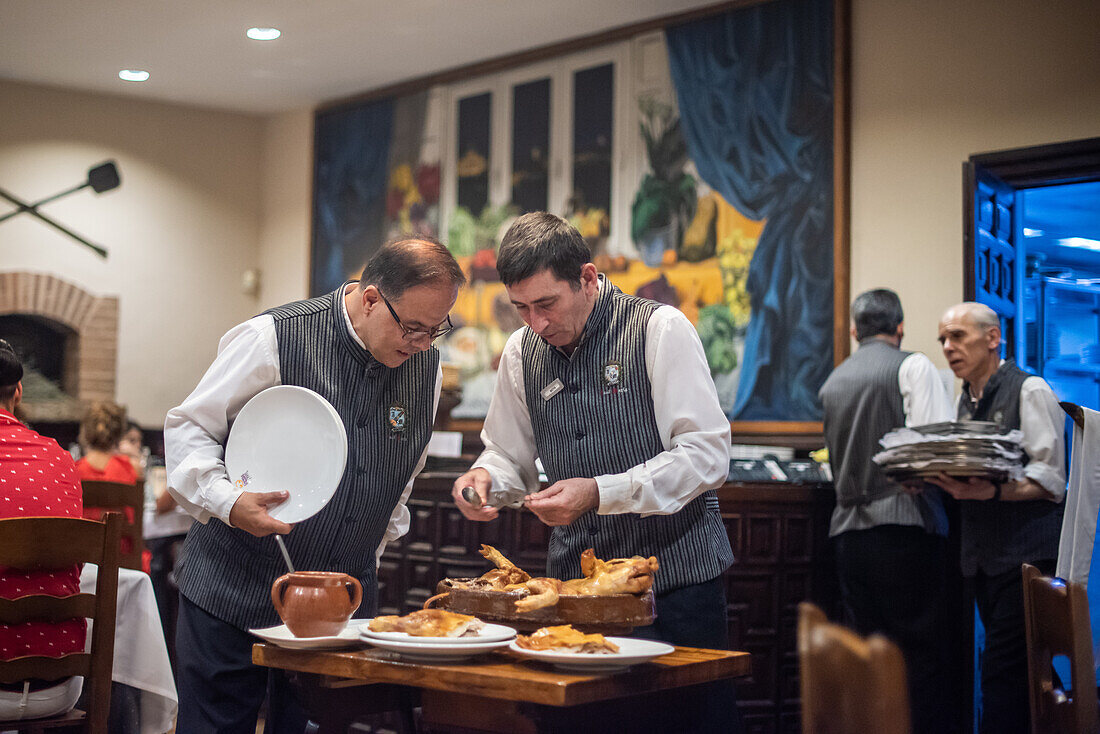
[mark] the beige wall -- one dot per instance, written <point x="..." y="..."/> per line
<point x="932" y="83"/>
<point x="181" y="229"/>
<point x="287" y="196"/>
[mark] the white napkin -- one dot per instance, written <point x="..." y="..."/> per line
<point x="1075" y="547"/>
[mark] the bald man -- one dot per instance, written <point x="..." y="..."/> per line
<point x="367" y="348"/>
<point x="1006" y="524"/>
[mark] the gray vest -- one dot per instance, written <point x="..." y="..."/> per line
<point x="602" y="422"/>
<point x="388" y="417"/>
<point x="861" y="403"/>
<point x="999" y="536"/>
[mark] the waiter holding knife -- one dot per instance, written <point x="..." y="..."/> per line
<point x="613" y="392"/>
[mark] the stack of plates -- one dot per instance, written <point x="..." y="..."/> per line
<point x="961" y="448"/>
<point x="439" y="649"/>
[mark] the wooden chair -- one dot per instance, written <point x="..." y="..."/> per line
<point x="1057" y="620"/>
<point x="115" y="496"/>
<point x="47" y="543"/>
<point x="850" y="685"/>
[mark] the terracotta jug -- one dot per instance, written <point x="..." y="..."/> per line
<point x="316" y="603"/>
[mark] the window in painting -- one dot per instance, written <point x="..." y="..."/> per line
<point x="593" y="121"/>
<point x="530" y="145"/>
<point x="474" y="132"/>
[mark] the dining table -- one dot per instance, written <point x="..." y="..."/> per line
<point x="499" y="691"/>
<point x="141" y="661"/>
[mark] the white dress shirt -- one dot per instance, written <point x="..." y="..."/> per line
<point x="924" y="398"/>
<point x="695" y="433"/>
<point x="1042" y="422"/>
<point x="195" y="431"/>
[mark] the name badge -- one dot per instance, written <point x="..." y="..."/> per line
<point x="552" y="389"/>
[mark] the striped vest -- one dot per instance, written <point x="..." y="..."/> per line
<point x="602" y="422"/>
<point x="998" y="536"/>
<point x="228" y="572"/>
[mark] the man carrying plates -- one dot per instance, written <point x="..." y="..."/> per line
<point x="367" y="349"/>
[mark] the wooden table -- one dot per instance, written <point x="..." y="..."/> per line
<point x="498" y="692"/>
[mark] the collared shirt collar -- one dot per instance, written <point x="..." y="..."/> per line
<point x="346" y="332"/>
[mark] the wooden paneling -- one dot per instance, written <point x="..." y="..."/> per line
<point x="779" y="537"/>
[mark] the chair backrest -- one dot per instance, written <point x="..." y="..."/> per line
<point x="1057" y="619"/>
<point x="849" y="684"/>
<point x="115" y="496"/>
<point x="51" y="543"/>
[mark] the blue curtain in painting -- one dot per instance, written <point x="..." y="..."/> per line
<point x="754" y="88"/>
<point x="352" y="148"/>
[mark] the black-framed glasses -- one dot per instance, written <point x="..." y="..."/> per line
<point x="410" y="334"/>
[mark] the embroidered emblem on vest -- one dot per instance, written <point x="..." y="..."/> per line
<point x="398" y="420"/>
<point x="613" y="378"/>
<point x="243" y="481"/>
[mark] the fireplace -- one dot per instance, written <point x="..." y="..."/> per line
<point x="68" y="339"/>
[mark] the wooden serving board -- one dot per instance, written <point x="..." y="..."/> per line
<point x="615" y="614"/>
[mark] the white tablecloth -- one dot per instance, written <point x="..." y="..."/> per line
<point x="141" y="657"/>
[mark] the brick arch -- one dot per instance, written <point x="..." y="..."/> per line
<point x="93" y="358"/>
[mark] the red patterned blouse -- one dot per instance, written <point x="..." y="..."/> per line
<point x="37" y="479"/>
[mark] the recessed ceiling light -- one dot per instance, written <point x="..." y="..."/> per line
<point x="263" y="34"/>
<point x="133" y="75"/>
<point x="1082" y="242"/>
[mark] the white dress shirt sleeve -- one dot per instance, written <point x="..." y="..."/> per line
<point x="694" y="431"/>
<point x="924" y="397"/>
<point x="195" y="431"/>
<point x="399" y="520"/>
<point x="510" y="453"/>
<point x="1042" y="422"/>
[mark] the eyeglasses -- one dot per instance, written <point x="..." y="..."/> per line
<point x="412" y="334"/>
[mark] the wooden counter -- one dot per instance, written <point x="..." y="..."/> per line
<point x="779" y="535"/>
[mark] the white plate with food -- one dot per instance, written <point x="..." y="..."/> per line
<point x="283" y="637"/>
<point x="434" y="652"/>
<point x="567" y="649"/>
<point x="485" y="633"/>
<point x="288" y="438"/>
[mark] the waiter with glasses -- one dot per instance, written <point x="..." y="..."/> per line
<point x="367" y="349"/>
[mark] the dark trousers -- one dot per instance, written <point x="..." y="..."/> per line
<point x="695" y="616"/>
<point x="220" y="690"/>
<point x="892" y="581"/>
<point x="1000" y="600"/>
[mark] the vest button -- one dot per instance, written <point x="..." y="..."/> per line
<point x="579" y="434"/>
<point x="349" y="519"/>
<point x="362" y="422"/>
<point x="575" y="388"/>
<point x="361" y="470"/>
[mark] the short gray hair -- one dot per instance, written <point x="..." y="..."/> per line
<point x="877" y="312"/>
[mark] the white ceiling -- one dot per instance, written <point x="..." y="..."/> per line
<point x="197" y="53"/>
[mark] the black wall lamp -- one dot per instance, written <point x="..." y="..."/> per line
<point x="103" y="177"/>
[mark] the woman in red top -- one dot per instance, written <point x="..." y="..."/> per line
<point x="100" y="431"/>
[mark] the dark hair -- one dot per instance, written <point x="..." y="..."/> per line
<point x="11" y="371"/>
<point x="538" y="241"/>
<point x="103" y="426"/>
<point x="405" y="263"/>
<point x="876" y="312"/>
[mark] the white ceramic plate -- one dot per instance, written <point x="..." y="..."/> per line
<point x="283" y="637"/>
<point x="631" y="652"/>
<point x="288" y="438"/>
<point x="489" y="633"/>
<point x="434" y="652"/>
